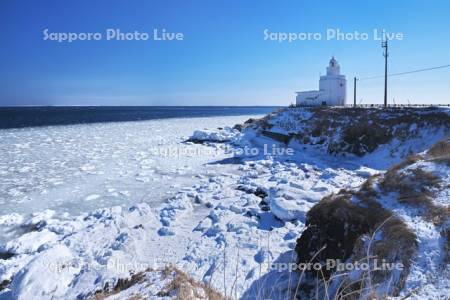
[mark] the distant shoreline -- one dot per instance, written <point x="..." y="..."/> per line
<point x="37" y="116"/>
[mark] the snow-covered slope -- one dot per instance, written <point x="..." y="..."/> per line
<point x="400" y="217"/>
<point x="388" y="134"/>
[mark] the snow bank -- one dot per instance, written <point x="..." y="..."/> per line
<point x="30" y="242"/>
<point x="47" y="276"/>
<point x="226" y="134"/>
<point x="65" y="258"/>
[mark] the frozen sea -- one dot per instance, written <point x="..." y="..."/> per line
<point x="111" y="158"/>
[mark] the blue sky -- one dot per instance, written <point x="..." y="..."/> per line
<point x="223" y="59"/>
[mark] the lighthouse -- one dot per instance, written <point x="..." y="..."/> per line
<point x="332" y="89"/>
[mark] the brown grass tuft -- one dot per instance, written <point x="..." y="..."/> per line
<point x="417" y="188"/>
<point x="181" y="286"/>
<point x="440" y="152"/>
<point x="187" y="288"/>
<point x="121" y="285"/>
<point x="343" y="222"/>
<point x="445" y="233"/>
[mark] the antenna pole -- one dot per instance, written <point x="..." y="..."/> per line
<point x="384" y="45"/>
<point x="354" y="91"/>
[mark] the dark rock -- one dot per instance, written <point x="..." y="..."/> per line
<point x="282" y="138"/>
<point x="6" y="255"/>
<point x="238" y="127"/>
<point x="4" y="284"/>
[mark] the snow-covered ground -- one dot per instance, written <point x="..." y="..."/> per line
<point x="212" y="212"/>
<point x="117" y="208"/>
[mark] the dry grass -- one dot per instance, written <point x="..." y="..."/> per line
<point x="338" y="222"/>
<point x="364" y="129"/>
<point x="342" y="222"/>
<point x="121" y="285"/>
<point x="417" y="183"/>
<point x="411" y="159"/>
<point x="440" y="152"/>
<point x="262" y="123"/>
<point x="321" y="127"/>
<point x="365" y="137"/>
<point x="181" y="286"/>
<point x="397" y="244"/>
<point x="187" y="288"/>
<point x="445" y="233"/>
<point x="416" y="188"/>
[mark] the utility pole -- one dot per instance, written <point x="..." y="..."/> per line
<point x="354" y="91"/>
<point x="384" y="45"/>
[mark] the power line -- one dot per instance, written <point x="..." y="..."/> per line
<point x="404" y="73"/>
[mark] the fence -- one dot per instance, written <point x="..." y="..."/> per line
<point x="377" y="105"/>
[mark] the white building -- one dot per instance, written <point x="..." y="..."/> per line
<point x="332" y="89"/>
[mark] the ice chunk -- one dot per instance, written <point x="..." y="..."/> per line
<point x="92" y="197"/>
<point x="289" y="208"/>
<point x="30" y="242"/>
<point x="223" y="135"/>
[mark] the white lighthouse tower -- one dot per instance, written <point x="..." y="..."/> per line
<point x="332" y="89"/>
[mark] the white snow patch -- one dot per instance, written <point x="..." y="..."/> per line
<point x="219" y="135"/>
